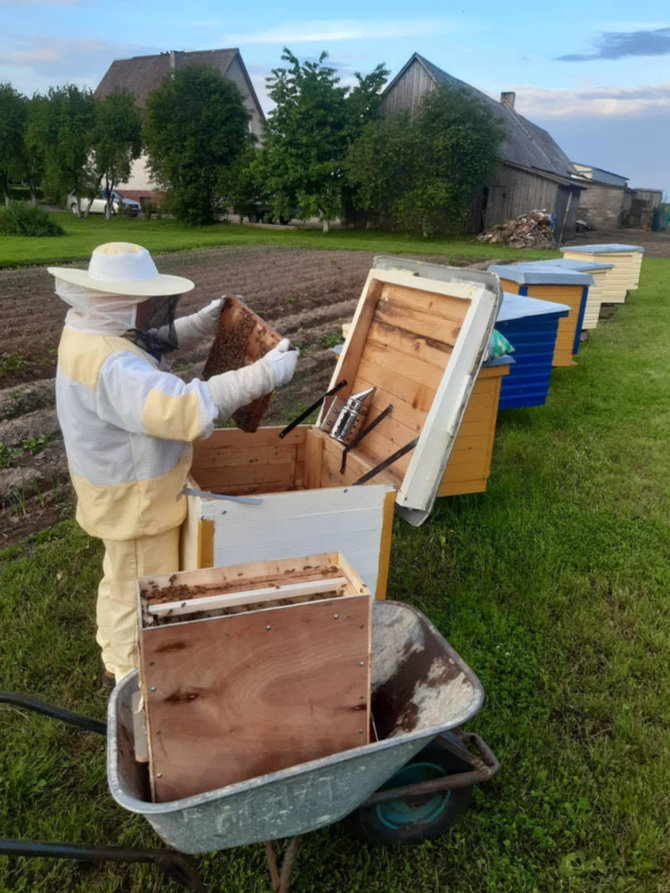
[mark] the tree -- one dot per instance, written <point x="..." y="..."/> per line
<point x="379" y="169"/>
<point x="33" y="150"/>
<point x="116" y="140"/>
<point x="307" y="134"/>
<point x="12" y="119"/>
<point x="421" y="173"/>
<point x="61" y="129"/>
<point x="195" y="126"/>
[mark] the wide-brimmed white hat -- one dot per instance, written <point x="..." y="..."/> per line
<point x="123" y="268"/>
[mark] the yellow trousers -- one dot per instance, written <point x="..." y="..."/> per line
<point x="124" y="562"/>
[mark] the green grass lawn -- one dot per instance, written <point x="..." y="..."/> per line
<point x="162" y="236"/>
<point x="553" y="586"/>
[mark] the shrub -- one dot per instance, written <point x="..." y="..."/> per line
<point x="23" y="219"/>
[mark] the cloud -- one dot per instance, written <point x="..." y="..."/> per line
<point x="62" y="58"/>
<point x="22" y="4"/>
<point x="593" y="102"/>
<point x="620" y="44"/>
<point x="345" y="29"/>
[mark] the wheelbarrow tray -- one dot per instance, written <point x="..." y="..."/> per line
<point x="420" y="688"/>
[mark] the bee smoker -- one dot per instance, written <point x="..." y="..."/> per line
<point x="344" y="420"/>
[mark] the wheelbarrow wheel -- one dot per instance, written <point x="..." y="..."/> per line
<point x="412" y="820"/>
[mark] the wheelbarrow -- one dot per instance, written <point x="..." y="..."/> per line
<point x="408" y="785"/>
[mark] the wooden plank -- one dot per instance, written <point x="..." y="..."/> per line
<point x="418" y="358"/>
<point x="385" y="546"/>
<point x="216" y="717"/>
<point x="423" y="313"/>
<point x="205" y="543"/>
<point x="313" y="458"/>
<point x="398" y="387"/>
<point x="252" y="477"/>
<point x="229" y="600"/>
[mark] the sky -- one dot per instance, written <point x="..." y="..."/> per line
<point x="595" y="73"/>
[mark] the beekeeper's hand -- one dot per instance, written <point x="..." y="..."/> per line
<point x="198" y="326"/>
<point x="281" y="362"/>
<point x="239" y="387"/>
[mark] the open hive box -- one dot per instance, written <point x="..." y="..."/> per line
<point x="419" y="340"/>
<point x="252" y="668"/>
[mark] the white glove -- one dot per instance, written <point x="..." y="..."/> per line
<point x="281" y="362"/>
<point x="203" y="324"/>
<point x="239" y="387"/>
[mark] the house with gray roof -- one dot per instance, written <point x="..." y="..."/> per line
<point x="533" y="171"/>
<point x="144" y="74"/>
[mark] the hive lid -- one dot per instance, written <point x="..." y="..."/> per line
<point x="520" y="306"/>
<point x="612" y="248"/>
<point x="584" y="266"/>
<point x="528" y="274"/>
<point x="419" y="335"/>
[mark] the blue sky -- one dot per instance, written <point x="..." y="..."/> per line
<point x="595" y="74"/>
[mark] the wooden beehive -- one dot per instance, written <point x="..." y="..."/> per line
<point x="531" y="326"/>
<point x="242" y="338"/>
<point x="420" y="342"/>
<point x="252" y="668"/>
<point x="559" y="286"/>
<point x="469" y="464"/>
<point x="597" y="293"/>
<point x="625" y="259"/>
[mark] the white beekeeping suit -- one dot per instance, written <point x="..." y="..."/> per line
<point x="128" y="426"/>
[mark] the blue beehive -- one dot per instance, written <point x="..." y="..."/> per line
<point x="530" y="325"/>
<point x="557" y="285"/>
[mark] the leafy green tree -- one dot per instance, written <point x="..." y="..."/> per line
<point x="379" y="169"/>
<point x="116" y="140"/>
<point x="33" y="148"/>
<point x="308" y="132"/>
<point x="62" y="129"/>
<point x="195" y="126"/>
<point x="12" y="119"/>
<point x="420" y="173"/>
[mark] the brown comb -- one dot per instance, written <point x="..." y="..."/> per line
<point x="241" y="339"/>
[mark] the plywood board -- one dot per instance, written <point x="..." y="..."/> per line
<point x="234" y="697"/>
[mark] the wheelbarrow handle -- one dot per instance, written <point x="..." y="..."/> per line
<point x="488" y="767"/>
<point x="67" y="716"/>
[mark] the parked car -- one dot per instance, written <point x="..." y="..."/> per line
<point x="120" y="205"/>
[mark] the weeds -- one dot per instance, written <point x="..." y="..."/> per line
<point x="13" y="364"/>
<point x="30" y="446"/>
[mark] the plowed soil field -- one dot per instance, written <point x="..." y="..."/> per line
<point x="304" y="294"/>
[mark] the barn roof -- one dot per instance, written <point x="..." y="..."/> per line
<point x="524" y="144"/>
<point x="143" y="74"/>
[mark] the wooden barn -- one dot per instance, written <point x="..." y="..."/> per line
<point x="601" y="204"/>
<point x="533" y="171"/>
<point x="143" y="74"/>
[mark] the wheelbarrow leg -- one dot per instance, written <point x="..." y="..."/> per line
<point x="173" y="864"/>
<point x="281" y="880"/>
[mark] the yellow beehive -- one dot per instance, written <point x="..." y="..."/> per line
<point x="470" y="461"/>
<point x="625" y="259"/>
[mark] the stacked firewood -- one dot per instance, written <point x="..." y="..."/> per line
<point x="532" y="230"/>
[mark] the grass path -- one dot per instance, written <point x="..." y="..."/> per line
<point x="554" y="587"/>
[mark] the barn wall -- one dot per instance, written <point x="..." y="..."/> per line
<point x="601" y="205"/>
<point x="408" y="91"/>
<point x="236" y="75"/>
<point x="514" y="192"/>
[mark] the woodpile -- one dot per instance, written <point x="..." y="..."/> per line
<point x="532" y="230"/>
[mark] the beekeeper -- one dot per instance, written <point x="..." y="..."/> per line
<point x="128" y="426"/>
